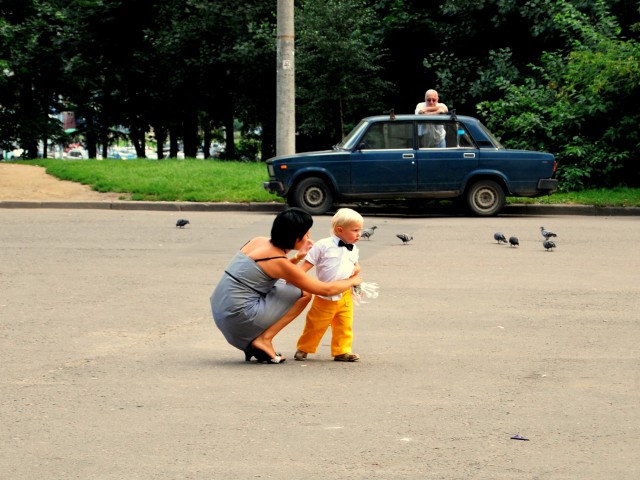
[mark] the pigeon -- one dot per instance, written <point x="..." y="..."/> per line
<point x="547" y="234"/>
<point x="404" y="237"/>
<point x="182" y="222"/>
<point x="549" y="245"/>
<point x="499" y="237"/>
<point x="367" y="232"/>
<point x="513" y="241"/>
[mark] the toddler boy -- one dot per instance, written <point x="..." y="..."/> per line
<point x="335" y="258"/>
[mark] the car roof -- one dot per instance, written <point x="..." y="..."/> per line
<point x="432" y="118"/>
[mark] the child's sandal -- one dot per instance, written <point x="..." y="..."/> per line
<point x="347" y="357"/>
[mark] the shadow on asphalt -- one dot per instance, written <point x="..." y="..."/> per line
<point x="412" y="209"/>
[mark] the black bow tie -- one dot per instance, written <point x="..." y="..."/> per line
<point x="349" y="246"/>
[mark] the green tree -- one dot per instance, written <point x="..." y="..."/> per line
<point x="338" y="67"/>
<point x="220" y="66"/>
<point x="30" y="32"/>
<point x="108" y="69"/>
<point x="580" y="104"/>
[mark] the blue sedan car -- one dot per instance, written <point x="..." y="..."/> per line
<point x="402" y="157"/>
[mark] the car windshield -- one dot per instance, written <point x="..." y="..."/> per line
<point x="495" y="141"/>
<point x="348" y="142"/>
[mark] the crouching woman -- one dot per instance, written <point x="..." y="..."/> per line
<point x="262" y="290"/>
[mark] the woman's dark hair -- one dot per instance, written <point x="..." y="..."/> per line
<point x="289" y="227"/>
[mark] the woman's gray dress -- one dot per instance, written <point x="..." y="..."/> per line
<point x="247" y="301"/>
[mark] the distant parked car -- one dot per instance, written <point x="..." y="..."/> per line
<point x="215" y="150"/>
<point x="123" y="153"/>
<point x="76" y="154"/>
<point x="12" y="154"/>
<point x="402" y="157"/>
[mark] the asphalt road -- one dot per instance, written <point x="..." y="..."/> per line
<point x="112" y="367"/>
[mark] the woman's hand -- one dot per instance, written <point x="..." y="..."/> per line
<point x="304" y="249"/>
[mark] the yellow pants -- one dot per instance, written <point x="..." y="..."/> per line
<point x="324" y="313"/>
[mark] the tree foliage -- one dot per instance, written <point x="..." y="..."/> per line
<point x="29" y="31"/>
<point x="338" y="67"/>
<point x="580" y="103"/>
<point x="554" y="75"/>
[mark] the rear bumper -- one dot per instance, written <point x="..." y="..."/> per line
<point x="548" y="185"/>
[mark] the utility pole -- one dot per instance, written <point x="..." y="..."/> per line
<point x="286" y="88"/>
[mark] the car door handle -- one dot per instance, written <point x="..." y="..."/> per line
<point x="408" y="155"/>
<point x="469" y="155"/>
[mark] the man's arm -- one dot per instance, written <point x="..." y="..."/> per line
<point x="435" y="110"/>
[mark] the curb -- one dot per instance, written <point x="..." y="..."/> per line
<point x="157" y="206"/>
<point x="516" y="209"/>
<point x="570" y="210"/>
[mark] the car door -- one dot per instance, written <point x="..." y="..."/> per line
<point x="384" y="161"/>
<point x="445" y="156"/>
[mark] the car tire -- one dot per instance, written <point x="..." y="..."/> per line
<point x="313" y="195"/>
<point x="485" y="198"/>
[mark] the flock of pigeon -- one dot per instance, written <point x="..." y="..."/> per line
<point x="547" y="243"/>
<point x="368" y="233"/>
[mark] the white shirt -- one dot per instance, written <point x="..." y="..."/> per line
<point x="331" y="261"/>
<point x="435" y="133"/>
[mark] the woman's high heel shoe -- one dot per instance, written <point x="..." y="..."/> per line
<point x="249" y="352"/>
<point x="264" y="357"/>
<point x="261" y="355"/>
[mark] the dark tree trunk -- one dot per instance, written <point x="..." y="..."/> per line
<point x="91" y="137"/>
<point x="190" y="133"/>
<point x="206" y="139"/>
<point x="173" y="143"/>
<point x="161" y="137"/>
<point x="268" y="138"/>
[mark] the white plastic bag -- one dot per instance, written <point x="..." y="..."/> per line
<point x="364" y="292"/>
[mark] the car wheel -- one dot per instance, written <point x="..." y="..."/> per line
<point x="313" y="195"/>
<point x="485" y="198"/>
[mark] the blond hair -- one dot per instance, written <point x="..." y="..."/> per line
<point x="344" y="217"/>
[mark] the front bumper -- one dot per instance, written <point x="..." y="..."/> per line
<point x="274" y="186"/>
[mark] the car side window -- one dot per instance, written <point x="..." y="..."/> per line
<point x="389" y="136"/>
<point x="463" y="139"/>
<point x="443" y="135"/>
<point x="432" y="135"/>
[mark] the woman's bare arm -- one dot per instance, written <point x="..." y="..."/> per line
<point x="298" y="277"/>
